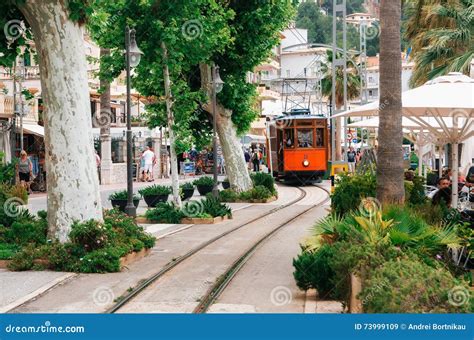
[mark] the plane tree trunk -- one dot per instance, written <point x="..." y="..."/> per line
<point x="72" y="179"/>
<point x="236" y="167"/>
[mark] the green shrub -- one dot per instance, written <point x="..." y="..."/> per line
<point x="266" y="180"/>
<point x="417" y="194"/>
<point x="258" y="192"/>
<point x="93" y="248"/>
<point x="14" y="190"/>
<point x="122" y="195"/>
<point x="91" y="235"/>
<point x="214" y="207"/>
<point x="411" y="231"/>
<point x="187" y="186"/>
<point x="205" y="181"/>
<point x="409" y="286"/>
<point x="228" y="195"/>
<point x="105" y="260"/>
<point x="312" y="270"/>
<point x="353" y="257"/>
<point x="8" y="250"/>
<point x="7" y="172"/>
<point x="27" y="231"/>
<point x="155" y="190"/>
<point x="350" y="190"/>
<point x="164" y="212"/>
<point x="23" y="260"/>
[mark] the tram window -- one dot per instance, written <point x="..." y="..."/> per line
<point x="305" y="138"/>
<point x="289" y="138"/>
<point x="319" y="137"/>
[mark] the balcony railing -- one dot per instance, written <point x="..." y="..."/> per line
<point x="26" y="72"/>
<point x="6" y="106"/>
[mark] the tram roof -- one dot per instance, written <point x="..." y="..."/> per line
<point x="298" y="116"/>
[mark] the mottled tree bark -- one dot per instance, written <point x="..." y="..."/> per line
<point x="236" y="167"/>
<point x="104" y="120"/>
<point x="390" y="188"/>
<point x="170" y="116"/>
<point x="73" y="186"/>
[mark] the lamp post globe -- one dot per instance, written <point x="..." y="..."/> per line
<point x="135" y="53"/>
<point x="217" y="80"/>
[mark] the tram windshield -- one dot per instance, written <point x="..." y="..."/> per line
<point x="305" y="138"/>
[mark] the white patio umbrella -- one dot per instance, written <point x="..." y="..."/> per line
<point x="443" y="106"/>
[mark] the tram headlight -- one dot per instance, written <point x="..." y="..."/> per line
<point x="305" y="163"/>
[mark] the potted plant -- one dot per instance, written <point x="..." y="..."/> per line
<point x="187" y="191"/>
<point x="155" y="194"/>
<point x="119" y="200"/>
<point x="204" y="185"/>
<point x="226" y="183"/>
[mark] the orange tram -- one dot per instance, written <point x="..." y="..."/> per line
<point x="299" y="144"/>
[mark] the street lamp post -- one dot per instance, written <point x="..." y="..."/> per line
<point x="217" y="85"/>
<point x="132" y="57"/>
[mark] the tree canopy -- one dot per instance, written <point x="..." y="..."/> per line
<point x="236" y="35"/>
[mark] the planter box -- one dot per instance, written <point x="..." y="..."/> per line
<point x="268" y="200"/>
<point x="144" y="220"/>
<point x="121" y="204"/>
<point x="195" y="220"/>
<point x="187" y="194"/>
<point x="355" y="305"/>
<point x="204" y="189"/>
<point x="153" y="200"/>
<point x="133" y="257"/>
<point x="124" y="260"/>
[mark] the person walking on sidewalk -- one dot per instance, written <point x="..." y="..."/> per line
<point x="148" y="157"/>
<point x="256" y="160"/>
<point x="25" y="170"/>
<point x="351" y="159"/>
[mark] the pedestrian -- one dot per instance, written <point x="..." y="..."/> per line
<point x="148" y="158"/>
<point x="142" y="166"/>
<point x="443" y="194"/>
<point x="351" y="159"/>
<point x="256" y="160"/>
<point x="25" y="170"/>
<point x="97" y="164"/>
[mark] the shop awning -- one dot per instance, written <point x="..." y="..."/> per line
<point x="33" y="129"/>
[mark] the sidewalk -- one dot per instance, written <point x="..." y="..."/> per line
<point x="119" y="186"/>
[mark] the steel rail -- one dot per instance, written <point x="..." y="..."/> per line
<point x="127" y="298"/>
<point x="223" y="281"/>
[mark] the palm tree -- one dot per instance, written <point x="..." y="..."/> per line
<point x="389" y="153"/>
<point x="353" y="89"/>
<point x="442" y="37"/>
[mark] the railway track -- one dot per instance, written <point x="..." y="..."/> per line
<point x="141" y="287"/>
<point x="221" y="284"/>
